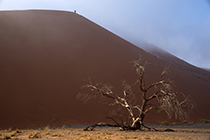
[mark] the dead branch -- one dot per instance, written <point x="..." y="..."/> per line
<point x="90" y="128"/>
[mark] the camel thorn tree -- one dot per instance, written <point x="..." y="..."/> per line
<point x="138" y="110"/>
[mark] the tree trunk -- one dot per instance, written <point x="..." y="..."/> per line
<point x="137" y="126"/>
<point x="142" y="117"/>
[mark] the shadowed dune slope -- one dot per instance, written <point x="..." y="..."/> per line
<point x="45" y="57"/>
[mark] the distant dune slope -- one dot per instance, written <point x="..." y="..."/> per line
<point x="45" y="57"/>
<point x="171" y="59"/>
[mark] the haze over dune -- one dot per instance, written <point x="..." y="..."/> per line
<point x="173" y="60"/>
<point x="45" y="57"/>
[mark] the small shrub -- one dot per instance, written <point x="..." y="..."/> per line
<point x="183" y="122"/>
<point x="164" y="123"/>
<point x="179" y="123"/>
<point x="174" y="123"/>
<point x="205" y="121"/>
<point x="192" y="122"/>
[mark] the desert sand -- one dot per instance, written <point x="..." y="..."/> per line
<point x="180" y="132"/>
<point x="45" y="57"/>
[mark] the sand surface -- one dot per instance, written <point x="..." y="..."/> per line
<point x="45" y="56"/>
<point x="181" y="132"/>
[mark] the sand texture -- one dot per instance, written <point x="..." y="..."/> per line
<point x="45" y="56"/>
<point x="180" y="133"/>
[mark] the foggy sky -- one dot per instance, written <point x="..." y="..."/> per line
<point x="181" y="27"/>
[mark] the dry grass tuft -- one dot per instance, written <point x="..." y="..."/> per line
<point x="176" y="123"/>
<point x="110" y="133"/>
<point x="63" y="127"/>
<point x="14" y="133"/>
<point x="47" y="128"/>
<point x="56" y="135"/>
<point x="6" y="136"/>
<point x="34" y="134"/>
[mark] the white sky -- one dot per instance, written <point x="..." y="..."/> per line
<point x="181" y="27"/>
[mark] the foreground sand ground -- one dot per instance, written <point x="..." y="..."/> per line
<point x="201" y="132"/>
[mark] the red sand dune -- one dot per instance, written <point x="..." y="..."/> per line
<point x="45" y="57"/>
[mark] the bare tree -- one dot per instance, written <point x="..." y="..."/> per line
<point x="166" y="99"/>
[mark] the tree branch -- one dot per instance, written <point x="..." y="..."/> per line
<point x="149" y="109"/>
<point x="139" y="108"/>
<point x="90" y="128"/>
<point x="155" y="95"/>
<point x="113" y="120"/>
<point x="155" y="84"/>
